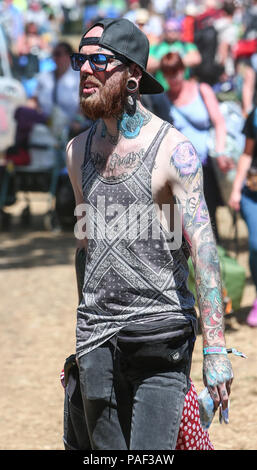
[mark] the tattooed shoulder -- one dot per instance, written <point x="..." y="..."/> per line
<point x="185" y="159"/>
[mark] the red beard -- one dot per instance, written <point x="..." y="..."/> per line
<point x="109" y="100"/>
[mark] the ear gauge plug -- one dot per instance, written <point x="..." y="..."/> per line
<point x="132" y="85"/>
<point x="132" y="88"/>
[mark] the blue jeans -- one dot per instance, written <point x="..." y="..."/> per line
<point x="133" y="397"/>
<point x="249" y="214"/>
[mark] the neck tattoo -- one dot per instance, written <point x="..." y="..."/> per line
<point x="128" y="126"/>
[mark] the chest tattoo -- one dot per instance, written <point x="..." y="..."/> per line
<point x="117" y="165"/>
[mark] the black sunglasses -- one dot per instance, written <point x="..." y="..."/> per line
<point x="98" y="62"/>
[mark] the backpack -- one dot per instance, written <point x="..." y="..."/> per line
<point x="206" y="40"/>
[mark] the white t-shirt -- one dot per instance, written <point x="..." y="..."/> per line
<point x="227" y="31"/>
<point x="67" y="92"/>
<point x="160" y="6"/>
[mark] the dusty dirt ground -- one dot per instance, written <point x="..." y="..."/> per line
<point x="38" y="309"/>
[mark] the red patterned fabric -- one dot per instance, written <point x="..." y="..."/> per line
<point x="191" y="434"/>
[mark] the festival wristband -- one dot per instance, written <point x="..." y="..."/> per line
<point x="221" y="350"/>
<point x="214" y="350"/>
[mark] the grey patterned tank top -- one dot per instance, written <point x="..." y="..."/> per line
<point x="132" y="277"/>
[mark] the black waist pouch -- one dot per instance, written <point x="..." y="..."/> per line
<point x="157" y="354"/>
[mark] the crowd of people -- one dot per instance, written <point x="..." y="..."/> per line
<point x="201" y="54"/>
<point x="215" y="39"/>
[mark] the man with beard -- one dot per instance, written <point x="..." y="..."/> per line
<point x="132" y="175"/>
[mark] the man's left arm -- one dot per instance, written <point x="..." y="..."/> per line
<point x="187" y="187"/>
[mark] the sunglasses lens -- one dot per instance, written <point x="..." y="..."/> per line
<point x="99" y="61"/>
<point x="77" y="60"/>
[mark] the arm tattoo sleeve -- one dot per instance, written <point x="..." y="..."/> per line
<point x="188" y="191"/>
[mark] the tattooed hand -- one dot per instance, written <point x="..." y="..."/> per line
<point x="218" y="376"/>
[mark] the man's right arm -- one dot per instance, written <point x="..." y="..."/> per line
<point x="80" y="262"/>
<point x="74" y="175"/>
<point x="73" y="163"/>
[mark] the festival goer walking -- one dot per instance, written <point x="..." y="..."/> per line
<point x="136" y="320"/>
<point x="193" y="109"/>
<point x="244" y="198"/>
